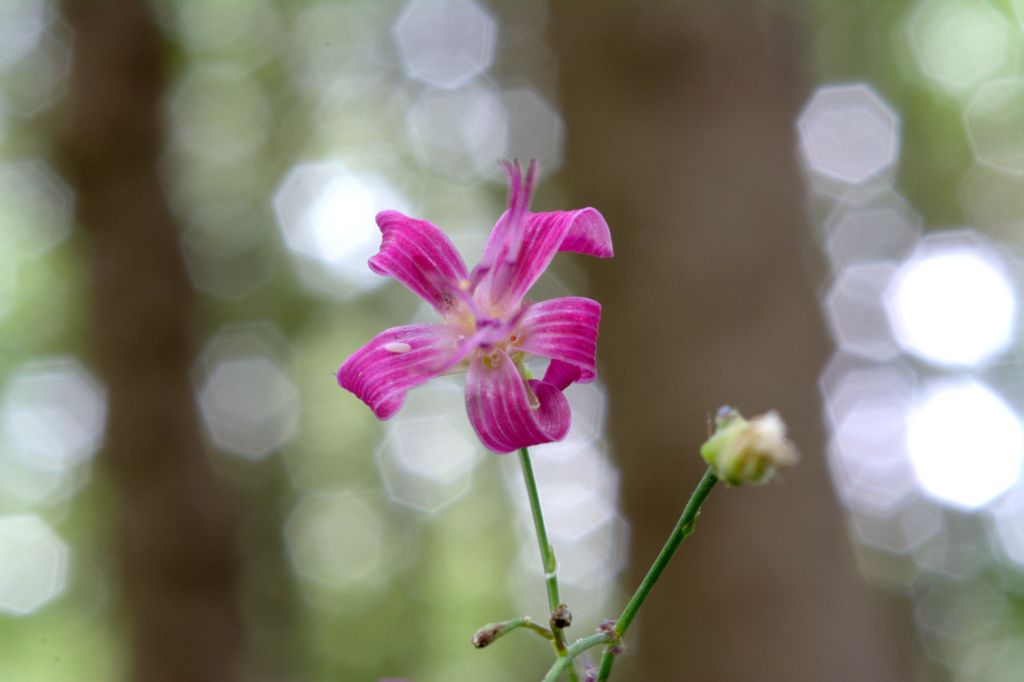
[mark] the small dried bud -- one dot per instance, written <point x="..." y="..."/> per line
<point x="561" y="617"/>
<point x="487" y="634"/>
<point x="742" y="451"/>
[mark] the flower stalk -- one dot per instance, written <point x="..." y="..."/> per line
<point x="684" y="527"/>
<point x="547" y="557"/>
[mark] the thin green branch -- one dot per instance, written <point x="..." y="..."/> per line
<point x="564" y="664"/>
<point x="684" y="527"/>
<point x="486" y="635"/>
<point x="547" y="554"/>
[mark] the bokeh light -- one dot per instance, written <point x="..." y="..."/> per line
<point x="966" y="444"/>
<point x="867" y="454"/>
<point x="35" y="58"/>
<point x="248" y="402"/>
<point x="848" y="134"/>
<point x="326" y="213"/>
<point x="958" y="43"/>
<point x="220" y="114"/>
<point x="993" y="121"/>
<point x="33" y="564"/>
<point x="52" y="416"/>
<point x="856" y="313"/>
<point x="535" y="129"/>
<point x="445" y="43"/>
<point x="22" y="24"/>
<point x="460" y="132"/>
<point x="953" y="302"/>
<point x="1006" y="516"/>
<point x="37" y="207"/>
<point x="336" y="540"/>
<point x="884" y="229"/>
<point x="428" y="456"/>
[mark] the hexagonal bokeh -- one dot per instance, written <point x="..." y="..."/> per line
<point x="848" y="134"/>
<point x="954" y="301"/>
<point x="427" y="458"/>
<point x="227" y="250"/>
<point x="338" y="50"/>
<point x="445" y="43"/>
<point x="848" y="380"/>
<point x="37" y="207"/>
<point x="855" y="310"/>
<point x="461" y="132"/>
<point x="22" y="24"/>
<point x="954" y="616"/>
<point x="326" y="214"/>
<point x="1006" y="518"/>
<point x="900" y="529"/>
<point x="994" y="201"/>
<point x="427" y="463"/>
<point x="888" y="540"/>
<point x="955" y="461"/>
<point x="993" y="120"/>
<point x="958" y="44"/>
<point x="249" y="31"/>
<point x="535" y="129"/>
<point x="52" y="416"/>
<point x="248" y="402"/>
<point x="220" y="114"/>
<point x="885" y="229"/>
<point x="36" y="74"/>
<point x="867" y="455"/>
<point x="336" y="540"/>
<point x="33" y="564"/>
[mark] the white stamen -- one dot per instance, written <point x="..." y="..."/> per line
<point x="397" y="347"/>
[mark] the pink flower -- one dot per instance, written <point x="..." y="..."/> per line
<point x="486" y="326"/>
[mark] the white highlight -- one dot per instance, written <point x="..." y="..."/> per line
<point x="965" y="444"/>
<point x="326" y="214"/>
<point x="397" y="347"/>
<point x="953" y="307"/>
<point x="848" y="133"/>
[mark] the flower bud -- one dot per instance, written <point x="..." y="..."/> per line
<point x="486" y="635"/>
<point x="742" y="451"/>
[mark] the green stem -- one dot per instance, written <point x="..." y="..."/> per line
<point x="578" y="647"/>
<point x="491" y="632"/>
<point x="547" y="554"/>
<point x="683" y="528"/>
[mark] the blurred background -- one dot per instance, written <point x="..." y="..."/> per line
<point x="817" y="207"/>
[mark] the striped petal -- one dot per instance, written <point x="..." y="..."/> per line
<point x="381" y="372"/>
<point x="420" y="256"/>
<point x="514" y="270"/>
<point x="563" y="329"/>
<point x="499" y="406"/>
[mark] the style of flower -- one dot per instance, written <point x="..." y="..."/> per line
<point x="486" y="325"/>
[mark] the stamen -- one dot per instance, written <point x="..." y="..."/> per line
<point x="397" y="347"/>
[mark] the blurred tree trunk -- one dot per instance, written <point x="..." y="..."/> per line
<point x="680" y="120"/>
<point x="177" y="573"/>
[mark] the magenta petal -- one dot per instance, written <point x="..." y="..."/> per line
<point x="564" y="329"/>
<point x="499" y="406"/>
<point x="544" y="234"/>
<point x="560" y="374"/>
<point x="588" y="231"/>
<point x="381" y="372"/>
<point x="420" y="256"/>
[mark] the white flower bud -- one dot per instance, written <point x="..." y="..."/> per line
<point x="742" y="451"/>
